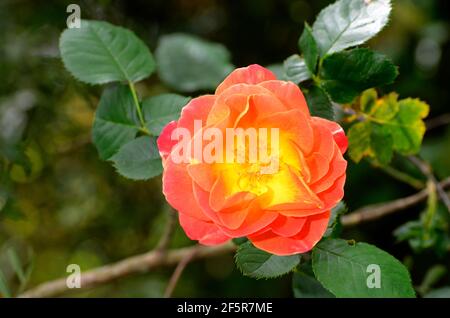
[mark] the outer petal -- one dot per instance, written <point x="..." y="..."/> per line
<point x="206" y="233"/>
<point x="287" y="226"/>
<point x="336" y="169"/>
<point x="322" y="152"/>
<point x="337" y="131"/>
<point x="252" y="74"/>
<point x="302" y="242"/>
<point x="165" y="142"/>
<point x="334" y="194"/>
<point x="197" y="109"/>
<point x="178" y="190"/>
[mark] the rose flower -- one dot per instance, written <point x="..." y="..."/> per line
<point x="280" y="199"/>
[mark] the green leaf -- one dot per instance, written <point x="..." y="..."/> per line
<point x="160" y="110"/>
<point x="278" y="70"/>
<point x="115" y="121"/>
<point x="348" y="270"/>
<point x="319" y="102"/>
<point x="256" y="263"/>
<point x="139" y="159"/>
<point x="305" y="286"/>
<point x="430" y="230"/>
<point x="443" y="292"/>
<point x="346" y="74"/>
<point x="407" y="127"/>
<point x="296" y="69"/>
<point x="240" y="240"/>
<point x="348" y="23"/>
<point x="307" y="45"/>
<point x="359" y="140"/>
<point x="188" y="63"/>
<point x="100" y="52"/>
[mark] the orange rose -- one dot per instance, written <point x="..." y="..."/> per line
<point x="285" y="211"/>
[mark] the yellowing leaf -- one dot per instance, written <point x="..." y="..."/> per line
<point x="388" y="125"/>
<point x="407" y="127"/>
<point x="368" y="99"/>
<point x="359" y="140"/>
<point x="385" y="108"/>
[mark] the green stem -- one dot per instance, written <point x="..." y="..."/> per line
<point x="431" y="205"/>
<point x="138" y="107"/>
<point x="404" y="177"/>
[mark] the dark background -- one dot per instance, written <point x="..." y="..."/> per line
<point x="74" y="208"/>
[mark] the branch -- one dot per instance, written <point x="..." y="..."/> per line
<point x="376" y="211"/>
<point x="438" y="121"/>
<point x="177" y="274"/>
<point x="425" y="168"/>
<point x="133" y="265"/>
<point x="164" y="242"/>
<point x="153" y="259"/>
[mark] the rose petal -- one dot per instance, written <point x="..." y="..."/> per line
<point x="223" y="196"/>
<point x="260" y="106"/>
<point x="175" y="177"/>
<point x="234" y="219"/>
<point x="291" y="192"/>
<point x="165" y="142"/>
<point x="336" y="169"/>
<point x="288" y="93"/>
<point x="252" y="74"/>
<point x="322" y="152"/>
<point x="255" y="220"/>
<point x="334" y="194"/>
<point x="287" y="226"/>
<point x="206" y="233"/>
<point x="197" y="109"/>
<point x="302" y="242"/>
<point x="293" y="123"/>
<point x="337" y="132"/>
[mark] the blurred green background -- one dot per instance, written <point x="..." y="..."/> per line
<point x="60" y="204"/>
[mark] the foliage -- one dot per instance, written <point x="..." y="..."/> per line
<point x="341" y="81"/>
<point x="387" y="125"/>
<point x="259" y="264"/>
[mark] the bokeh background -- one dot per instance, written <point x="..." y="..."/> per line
<point x="64" y="205"/>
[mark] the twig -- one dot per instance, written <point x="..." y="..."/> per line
<point x="153" y="259"/>
<point x="177" y="274"/>
<point x="133" y="265"/>
<point x="376" y="211"/>
<point x="164" y="242"/>
<point x="438" y="121"/>
<point x="425" y="168"/>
